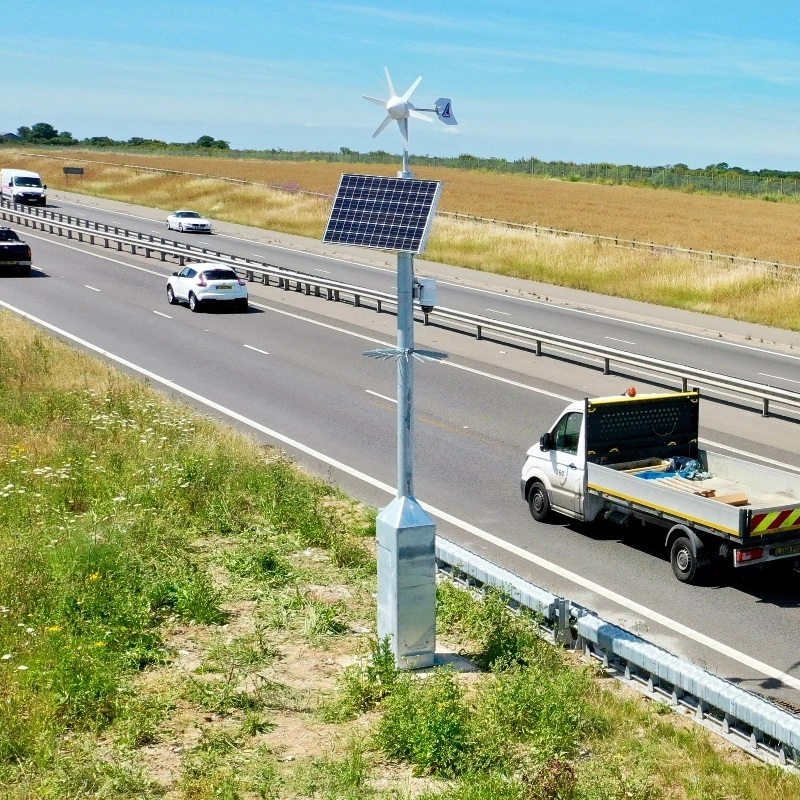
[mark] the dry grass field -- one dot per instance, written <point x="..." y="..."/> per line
<point x="742" y="226"/>
<point x="751" y="227"/>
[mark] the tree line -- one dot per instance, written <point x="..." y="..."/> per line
<point x="45" y="133"/>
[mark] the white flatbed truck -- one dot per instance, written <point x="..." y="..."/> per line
<point x="621" y="458"/>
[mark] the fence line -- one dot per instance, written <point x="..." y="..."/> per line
<point x="712" y="180"/>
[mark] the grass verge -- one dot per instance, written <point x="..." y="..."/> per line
<point x="184" y="614"/>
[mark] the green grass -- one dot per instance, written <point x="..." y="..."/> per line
<point x="173" y="596"/>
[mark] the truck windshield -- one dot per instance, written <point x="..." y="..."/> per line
<point x="26" y="181"/>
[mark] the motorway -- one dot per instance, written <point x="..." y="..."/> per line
<point x="292" y="371"/>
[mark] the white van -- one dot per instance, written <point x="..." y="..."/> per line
<point x="22" y="186"/>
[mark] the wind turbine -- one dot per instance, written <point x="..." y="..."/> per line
<point x="400" y="108"/>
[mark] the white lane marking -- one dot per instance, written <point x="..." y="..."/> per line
<point x="86" y="286"/>
<point x="573" y="577"/>
<point x="446" y="363"/>
<point x="609" y="316"/>
<point x="478" y="289"/>
<point x="162" y="314"/>
<point x="495" y="311"/>
<point x="324" y="271"/>
<point x="250" y="347"/>
<point x="778" y="377"/>
<point x="382" y="396"/>
<point x="624" y="341"/>
<point x="508" y="381"/>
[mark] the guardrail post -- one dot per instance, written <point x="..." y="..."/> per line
<point x="684" y="384"/>
<point x="765" y="407"/>
<point x="379" y="305"/>
<point x="606" y="366"/>
<point x="538" y="347"/>
<point x="356" y="301"/>
<point x="563" y="632"/>
<point x="265" y="278"/>
<point x="478" y="334"/>
<point x="424" y="317"/>
<point x="248" y="275"/>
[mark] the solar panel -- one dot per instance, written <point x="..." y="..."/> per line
<point x="384" y="213"/>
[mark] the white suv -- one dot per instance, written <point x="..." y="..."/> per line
<point x="204" y="284"/>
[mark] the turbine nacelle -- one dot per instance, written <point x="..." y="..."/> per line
<point x="396" y="108"/>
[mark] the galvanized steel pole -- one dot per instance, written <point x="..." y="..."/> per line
<point x="406" y="533"/>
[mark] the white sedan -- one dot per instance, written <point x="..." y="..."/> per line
<point x="188" y="221"/>
<point x="202" y="284"/>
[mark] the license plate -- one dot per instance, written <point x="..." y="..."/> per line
<point x="224" y="286"/>
<point x="788" y="550"/>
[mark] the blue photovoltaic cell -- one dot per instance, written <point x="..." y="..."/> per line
<point x="384" y="213"/>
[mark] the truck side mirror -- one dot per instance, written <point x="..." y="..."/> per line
<point x="44" y="187"/>
<point x="546" y="442"/>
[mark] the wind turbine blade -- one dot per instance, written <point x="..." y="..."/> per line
<point x="392" y="92"/>
<point x="382" y="126"/>
<point x="414" y="85"/>
<point x="412" y="112"/>
<point x="375" y="100"/>
<point x="403" y="123"/>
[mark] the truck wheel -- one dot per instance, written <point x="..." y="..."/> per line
<point x="683" y="560"/>
<point x="539" y="502"/>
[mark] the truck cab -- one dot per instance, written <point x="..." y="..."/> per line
<point x="558" y="463"/>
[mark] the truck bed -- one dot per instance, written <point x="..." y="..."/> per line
<point x="749" y="501"/>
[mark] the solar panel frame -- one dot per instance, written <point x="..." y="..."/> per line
<point x="383" y="213"/>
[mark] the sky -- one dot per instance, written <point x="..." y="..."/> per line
<point x="645" y="82"/>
